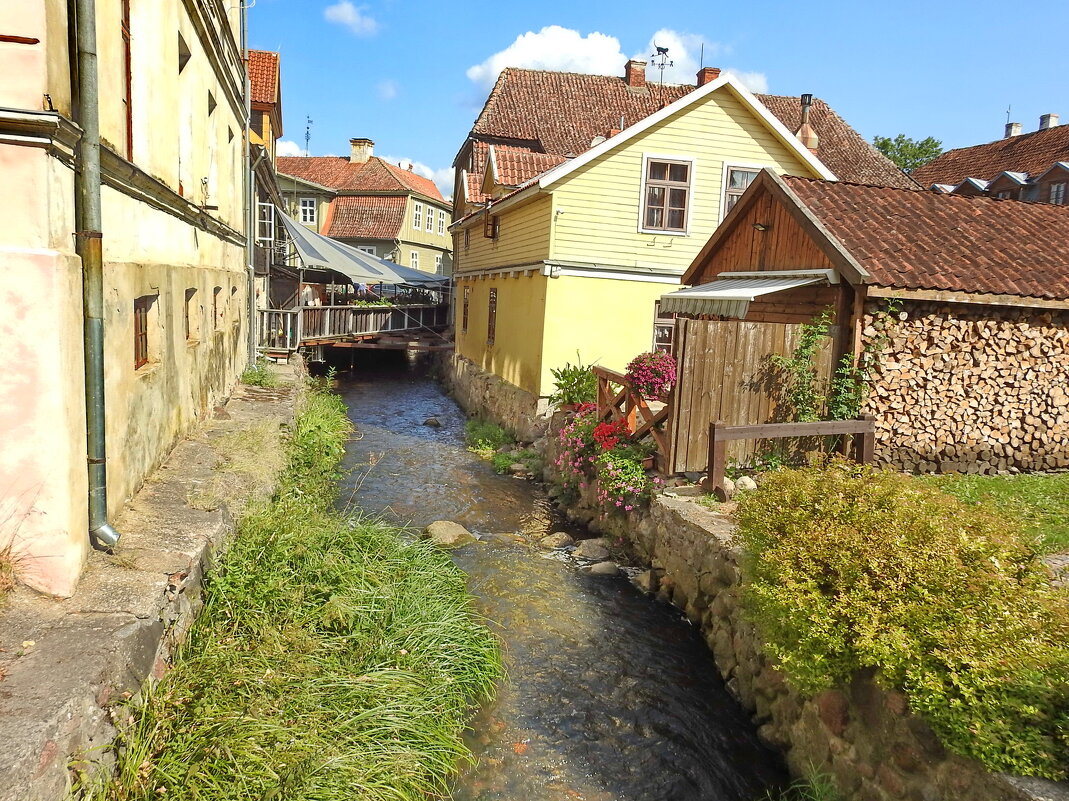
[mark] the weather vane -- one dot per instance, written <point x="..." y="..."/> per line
<point x="660" y="60"/>
<point x="307" y="135"/>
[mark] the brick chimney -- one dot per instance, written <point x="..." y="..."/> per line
<point x="1048" y="121"/>
<point x="635" y="73"/>
<point x="361" y="150"/>
<point x="1012" y="129"/>
<point x="806" y="133"/>
<point x="707" y="75"/>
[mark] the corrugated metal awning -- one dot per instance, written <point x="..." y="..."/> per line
<point x="730" y="294"/>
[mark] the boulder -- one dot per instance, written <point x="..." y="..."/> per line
<point x="558" y="539"/>
<point x="433" y="422"/>
<point x="745" y="484"/>
<point x="645" y="581"/>
<point x="447" y="534"/>
<point x="605" y="568"/>
<point x="594" y="550"/>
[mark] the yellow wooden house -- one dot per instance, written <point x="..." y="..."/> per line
<point x="580" y="200"/>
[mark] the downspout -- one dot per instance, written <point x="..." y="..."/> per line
<point x="248" y="187"/>
<point x="90" y="247"/>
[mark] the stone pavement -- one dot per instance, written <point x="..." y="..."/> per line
<point x="65" y="662"/>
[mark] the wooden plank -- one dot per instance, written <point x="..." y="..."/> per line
<point x="780" y="430"/>
<point x="673" y="428"/>
<point x="717" y="464"/>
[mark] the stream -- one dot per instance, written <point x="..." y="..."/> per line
<point x="609" y="695"/>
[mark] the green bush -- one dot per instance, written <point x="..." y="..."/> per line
<point x="259" y="375"/>
<point x="484" y="438"/>
<point x="573" y="384"/>
<point x="851" y="568"/>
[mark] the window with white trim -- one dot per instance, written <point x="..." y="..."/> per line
<point x="438" y="263"/>
<point x="736" y="181"/>
<point x="666" y="195"/>
<point x="1057" y="194"/>
<point x="367" y="249"/>
<point x="265" y="223"/>
<point x="441" y="222"/>
<point x="413" y="260"/>
<point x="430" y="219"/>
<point x="308" y="210"/>
<point x="417" y="216"/>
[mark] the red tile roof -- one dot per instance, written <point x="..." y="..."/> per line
<point x="560" y="113"/>
<point x="263" y="76"/>
<point x="1032" y="153"/>
<point x="367" y="217"/>
<point x="926" y="240"/>
<point x="373" y="175"/>
<point x="515" y="165"/>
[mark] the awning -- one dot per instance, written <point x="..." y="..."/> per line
<point x="730" y="294"/>
<point x="321" y="252"/>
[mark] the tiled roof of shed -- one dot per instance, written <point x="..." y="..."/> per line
<point x="1032" y="153"/>
<point x="263" y="76"/>
<point x="560" y="113"/>
<point x="367" y="217"/>
<point x="516" y="164"/>
<point x="926" y="240"/>
<point x="373" y="175"/>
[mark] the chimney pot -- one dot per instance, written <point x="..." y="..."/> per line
<point x="707" y="75"/>
<point x="1048" y="121"/>
<point x="635" y="73"/>
<point x="806" y="133"/>
<point x="1012" y="129"/>
<point x="360" y="150"/>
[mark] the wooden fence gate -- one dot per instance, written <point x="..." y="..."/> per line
<point x="725" y="374"/>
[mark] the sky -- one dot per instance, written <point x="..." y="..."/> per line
<point x="412" y="76"/>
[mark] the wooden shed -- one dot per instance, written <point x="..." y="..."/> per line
<point x="958" y="307"/>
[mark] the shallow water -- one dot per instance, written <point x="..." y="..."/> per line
<point x="610" y="696"/>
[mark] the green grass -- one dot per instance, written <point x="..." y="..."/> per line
<point x="485" y="438"/>
<point x="1040" y="501"/>
<point x="815" y="787"/>
<point x="333" y="660"/>
<point x="259" y="375"/>
<point x="502" y="462"/>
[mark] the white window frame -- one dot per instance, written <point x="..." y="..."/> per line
<point x="736" y="165"/>
<point x="692" y="163"/>
<point x="438" y="263"/>
<point x="367" y="249"/>
<point x="265" y="222"/>
<point x="441" y="222"/>
<point x="413" y="259"/>
<point x="1057" y="193"/>
<point x="309" y="212"/>
<point x="430" y="219"/>
<point x="417" y="216"/>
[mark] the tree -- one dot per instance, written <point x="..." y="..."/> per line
<point x="909" y="154"/>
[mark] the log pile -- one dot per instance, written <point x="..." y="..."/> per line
<point x="970" y="389"/>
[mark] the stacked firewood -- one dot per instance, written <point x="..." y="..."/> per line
<point x="969" y="388"/>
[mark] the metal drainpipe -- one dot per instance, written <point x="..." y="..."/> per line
<point x="248" y="188"/>
<point x="90" y="248"/>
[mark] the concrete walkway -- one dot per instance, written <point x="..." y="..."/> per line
<point x="64" y="663"/>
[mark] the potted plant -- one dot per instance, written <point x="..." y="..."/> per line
<point x="573" y="385"/>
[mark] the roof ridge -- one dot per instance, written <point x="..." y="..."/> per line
<point x="584" y="75"/>
<point x="800" y="178"/>
<point x="1007" y="139"/>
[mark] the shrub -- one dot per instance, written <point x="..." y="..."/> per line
<point x="652" y="375"/>
<point x="577" y="447"/>
<point x="573" y="385"/>
<point x="259" y="375"/>
<point x="851" y="568"/>
<point x="622" y="482"/>
<point x="484" y="437"/>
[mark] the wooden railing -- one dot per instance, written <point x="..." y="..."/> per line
<point x="617" y="400"/>
<point x="287" y="329"/>
<point x="720" y="434"/>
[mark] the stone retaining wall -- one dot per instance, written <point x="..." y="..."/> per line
<point x="485" y="395"/>
<point x="964" y="388"/>
<point x="864" y="737"/>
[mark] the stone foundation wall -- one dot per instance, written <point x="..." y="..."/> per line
<point x="486" y="395"/>
<point x="976" y="389"/>
<point x="864" y="737"/>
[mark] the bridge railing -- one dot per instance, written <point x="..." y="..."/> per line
<point x="277" y="329"/>
<point x="287" y="329"/>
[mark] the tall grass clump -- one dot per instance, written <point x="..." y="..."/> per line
<point x="851" y="568"/>
<point x="333" y="660"/>
<point x="259" y="375"/>
<point x="484" y="437"/>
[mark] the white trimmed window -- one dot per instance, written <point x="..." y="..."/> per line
<point x="1057" y="194"/>
<point x="417" y="216"/>
<point x="438" y="263"/>
<point x="414" y="260"/>
<point x="736" y="182"/>
<point x="265" y="223"/>
<point x="430" y="219"/>
<point x="308" y="210"/>
<point x="367" y="249"/>
<point x="666" y="195"/>
<point x="441" y="221"/>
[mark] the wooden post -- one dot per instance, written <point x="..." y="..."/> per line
<point x="714" y="480"/>
<point x="867" y="445"/>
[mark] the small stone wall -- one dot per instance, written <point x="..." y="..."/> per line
<point x="864" y="737"/>
<point x="969" y="388"/>
<point x="486" y="395"/>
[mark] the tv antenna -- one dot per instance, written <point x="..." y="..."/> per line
<point x="660" y="60"/>
<point x="307" y="135"/>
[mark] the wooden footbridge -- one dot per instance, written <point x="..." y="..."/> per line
<point x="416" y="327"/>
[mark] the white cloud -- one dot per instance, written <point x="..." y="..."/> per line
<point x="554" y="48"/>
<point x="286" y="147"/>
<point x="347" y="15"/>
<point x="443" y="178"/>
<point x="754" y="81"/>
<point x="387" y="89"/>
<point x="684" y="52"/>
